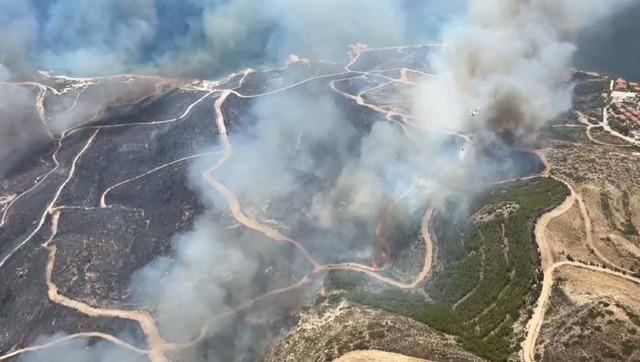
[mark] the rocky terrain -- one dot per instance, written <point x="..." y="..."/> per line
<point x="92" y="213"/>
<point x="590" y="317"/>
<point x="592" y="245"/>
<point x="330" y="331"/>
<point x="101" y="199"/>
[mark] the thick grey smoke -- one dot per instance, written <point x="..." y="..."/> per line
<point x="205" y="38"/>
<point x="79" y="350"/>
<point x="20" y="130"/>
<point x="88" y="37"/>
<point x="31" y="116"/>
<point x="300" y="165"/>
<point x="195" y="37"/>
<point x="312" y="175"/>
<point x="89" y="102"/>
<point x="192" y="276"/>
<point x="19" y="32"/>
<point x="511" y="60"/>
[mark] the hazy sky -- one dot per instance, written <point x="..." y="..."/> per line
<point x="613" y="46"/>
<point x="202" y="37"/>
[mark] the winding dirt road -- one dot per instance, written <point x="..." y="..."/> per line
<point x="157" y="345"/>
<point x="548" y="265"/>
<point x="103" y="197"/>
<point x="147" y="323"/>
<point x="242" y="218"/>
<point x="55" y="197"/>
<point x="107" y="337"/>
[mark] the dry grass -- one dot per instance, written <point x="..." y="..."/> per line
<point x="566" y="236"/>
<point x="592" y="316"/>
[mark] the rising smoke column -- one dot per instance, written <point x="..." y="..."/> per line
<point x="511" y="60"/>
<point x="495" y="59"/>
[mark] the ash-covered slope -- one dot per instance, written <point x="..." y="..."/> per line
<point x="162" y="219"/>
<point x="95" y="209"/>
<point x="168" y="219"/>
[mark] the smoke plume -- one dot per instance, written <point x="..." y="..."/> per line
<point x="511" y="61"/>
<point x="79" y="350"/>
<point x="198" y="37"/>
<point x="20" y="132"/>
<point x="299" y="163"/>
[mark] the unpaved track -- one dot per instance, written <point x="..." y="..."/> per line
<point x="147" y="323"/>
<point x="588" y="225"/>
<point x="43" y="217"/>
<point x="480" y="279"/>
<point x="377" y="356"/>
<point x="153" y="123"/>
<point x="607" y="128"/>
<point x="41" y="115"/>
<point x="237" y="309"/>
<point x="3" y="219"/>
<point x="534" y="325"/>
<point x="548" y="265"/>
<point x="157" y="345"/>
<point x="145" y="320"/>
<point x="242" y="218"/>
<point x="279" y="90"/>
<point x="103" y="197"/>
<point x="40" y="109"/>
<point x="421" y="277"/>
<point x="68" y="338"/>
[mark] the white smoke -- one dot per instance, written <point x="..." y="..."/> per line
<point x="192" y="276"/>
<point x="20" y="130"/>
<point x="511" y="60"/>
<point x="79" y="350"/>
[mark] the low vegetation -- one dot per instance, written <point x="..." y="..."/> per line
<point x="488" y="271"/>
<point x="605" y="204"/>
<point x="627" y="226"/>
<point x="602" y="135"/>
<point x="567" y="134"/>
<point x="620" y="127"/>
<point x="593" y="329"/>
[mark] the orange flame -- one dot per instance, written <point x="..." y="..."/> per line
<point x="381" y="259"/>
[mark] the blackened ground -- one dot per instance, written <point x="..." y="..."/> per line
<point x="99" y="248"/>
<point x="356" y="85"/>
<point x="168" y="105"/>
<point x="414" y="58"/>
<point x="119" y="154"/>
<point x="264" y="81"/>
<point x="23" y="217"/>
<point x="26" y="313"/>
